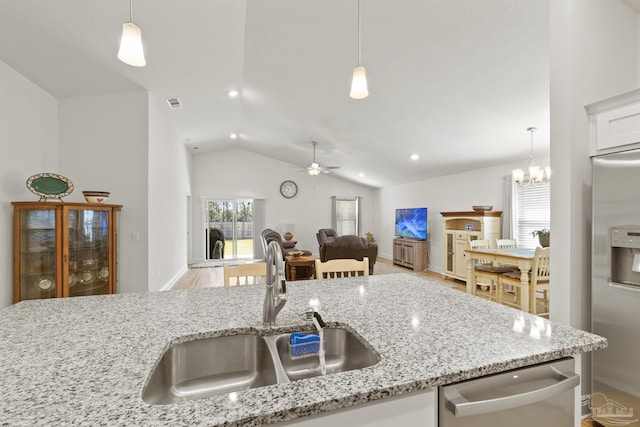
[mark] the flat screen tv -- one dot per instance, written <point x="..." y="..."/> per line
<point x="411" y="223"/>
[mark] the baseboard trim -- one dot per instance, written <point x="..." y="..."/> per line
<point x="167" y="286"/>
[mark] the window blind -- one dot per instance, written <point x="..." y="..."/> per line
<point x="531" y="211"/>
<point x="346" y="215"/>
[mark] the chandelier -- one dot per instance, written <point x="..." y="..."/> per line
<point x="536" y="173"/>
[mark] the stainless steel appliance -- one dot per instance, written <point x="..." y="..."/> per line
<point x="615" y="288"/>
<point x="540" y="395"/>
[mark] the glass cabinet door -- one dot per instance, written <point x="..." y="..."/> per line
<point x="88" y="246"/>
<point x="37" y="254"/>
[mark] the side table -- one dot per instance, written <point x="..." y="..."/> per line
<point x="309" y="262"/>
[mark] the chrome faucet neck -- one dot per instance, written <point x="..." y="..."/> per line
<point x="276" y="292"/>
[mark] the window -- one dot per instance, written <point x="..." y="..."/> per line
<point x="531" y="211"/>
<point x="346" y="215"/>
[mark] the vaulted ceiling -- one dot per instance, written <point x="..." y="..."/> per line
<point x="457" y="82"/>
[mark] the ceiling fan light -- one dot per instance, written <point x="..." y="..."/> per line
<point x="131" y="51"/>
<point x="313" y="171"/>
<point x="359" y="88"/>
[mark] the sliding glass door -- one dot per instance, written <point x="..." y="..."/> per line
<point x="229" y="229"/>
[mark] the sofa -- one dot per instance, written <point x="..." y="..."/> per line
<point x="269" y="235"/>
<point x="333" y="246"/>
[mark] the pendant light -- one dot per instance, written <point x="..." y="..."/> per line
<point x="131" y="51"/>
<point x="536" y="174"/>
<point x="359" y="88"/>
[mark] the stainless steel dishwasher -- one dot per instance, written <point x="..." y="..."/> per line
<point x="540" y="395"/>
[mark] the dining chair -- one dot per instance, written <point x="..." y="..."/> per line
<point x="339" y="268"/>
<point x="485" y="273"/>
<point x="506" y="243"/>
<point x="245" y="274"/>
<point x="538" y="282"/>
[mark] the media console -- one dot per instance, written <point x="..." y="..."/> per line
<point x="410" y="253"/>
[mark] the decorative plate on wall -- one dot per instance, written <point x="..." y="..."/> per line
<point x="49" y="185"/>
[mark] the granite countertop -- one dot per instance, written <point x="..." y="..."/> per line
<point x="85" y="360"/>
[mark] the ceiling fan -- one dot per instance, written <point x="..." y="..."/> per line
<point x="314" y="168"/>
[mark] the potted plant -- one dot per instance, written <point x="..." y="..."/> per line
<point x="543" y="236"/>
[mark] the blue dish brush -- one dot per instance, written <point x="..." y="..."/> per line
<point x="304" y="345"/>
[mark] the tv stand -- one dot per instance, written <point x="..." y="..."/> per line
<point x="410" y="253"/>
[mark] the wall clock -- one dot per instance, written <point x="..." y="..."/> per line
<point x="288" y="189"/>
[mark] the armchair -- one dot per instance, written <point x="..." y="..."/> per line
<point x="326" y="235"/>
<point x="346" y="247"/>
<point x="269" y="235"/>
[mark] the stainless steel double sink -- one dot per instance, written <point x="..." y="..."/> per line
<point x="211" y="366"/>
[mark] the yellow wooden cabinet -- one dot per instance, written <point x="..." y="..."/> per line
<point x="459" y="228"/>
<point x="64" y="249"/>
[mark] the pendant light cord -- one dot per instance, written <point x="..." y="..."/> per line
<point x="531" y="161"/>
<point x="358" y="33"/>
<point x="131" y="11"/>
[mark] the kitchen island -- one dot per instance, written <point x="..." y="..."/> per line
<point x="85" y="360"/>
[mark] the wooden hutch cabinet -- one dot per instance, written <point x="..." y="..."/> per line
<point x="458" y="229"/>
<point x="63" y="249"/>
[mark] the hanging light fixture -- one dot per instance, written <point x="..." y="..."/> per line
<point x="131" y="51"/>
<point x="536" y="174"/>
<point x="359" y="88"/>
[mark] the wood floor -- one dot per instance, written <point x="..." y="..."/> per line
<point x="201" y="278"/>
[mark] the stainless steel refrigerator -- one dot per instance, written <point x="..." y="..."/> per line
<point x="615" y="288"/>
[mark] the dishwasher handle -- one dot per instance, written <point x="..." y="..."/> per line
<point x="461" y="407"/>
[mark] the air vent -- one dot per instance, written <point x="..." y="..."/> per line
<point x="174" y="103"/>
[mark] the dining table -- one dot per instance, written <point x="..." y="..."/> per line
<point x="520" y="257"/>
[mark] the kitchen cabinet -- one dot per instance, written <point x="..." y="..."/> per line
<point x="458" y="229"/>
<point x="64" y="249"/>
<point x="410" y="253"/>
<point x="614" y="123"/>
<point x="413" y="409"/>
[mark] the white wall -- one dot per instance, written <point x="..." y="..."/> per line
<point x="241" y="173"/>
<point x="103" y="146"/>
<point x="169" y="186"/>
<point x="29" y="145"/>
<point x="593" y="56"/>
<point x="456" y="192"/>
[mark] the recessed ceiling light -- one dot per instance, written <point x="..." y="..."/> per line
<point x="414" y="157"/>
<point x="233" y="93"/>
<point x="233" y="136"/>
<point x="196" y="148"/>
<point x="361" y="173"/>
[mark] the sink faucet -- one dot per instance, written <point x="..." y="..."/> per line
<point x="276" y="295"/>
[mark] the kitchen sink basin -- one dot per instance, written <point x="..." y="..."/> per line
<point x="211" y="366"/>
<point x="344" y="351"/>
